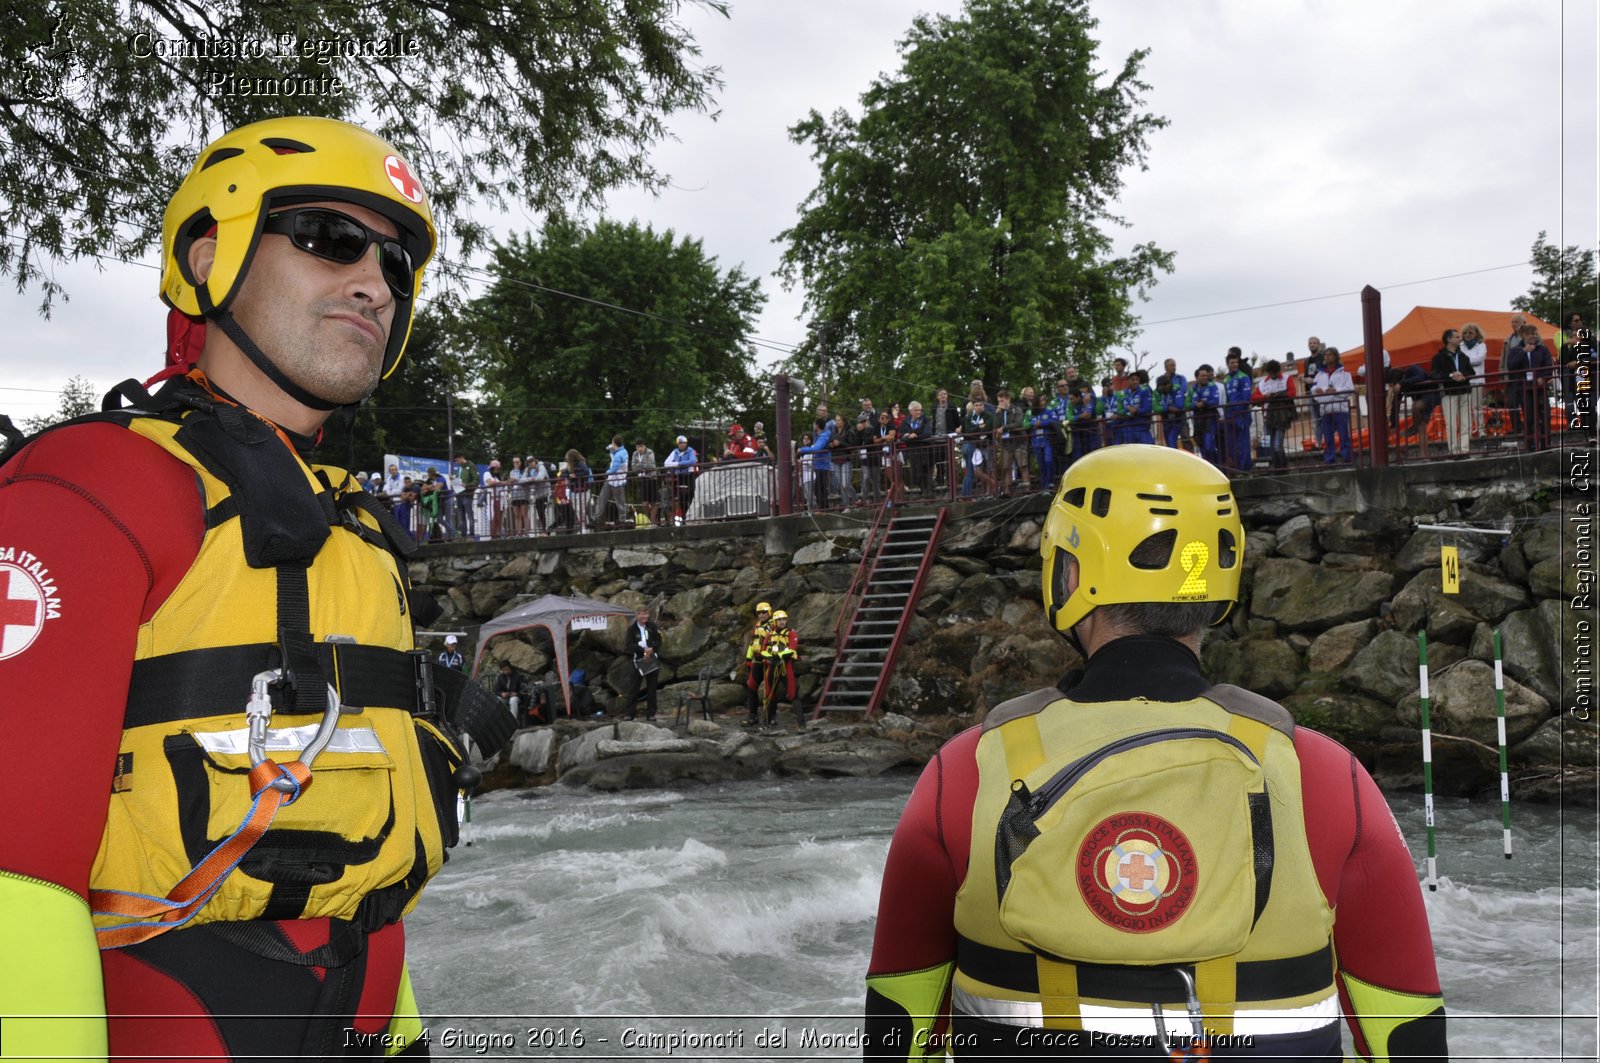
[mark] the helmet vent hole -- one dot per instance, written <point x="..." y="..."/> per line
<point x="1100" y="503"/>
<point x="219" y="155"/>
<point x="1224" y="512"/>
<point x="1153" y="498"/>
<point x="1164" y="512"/>
<point x="1155" y="552"/>
<point x="1227" y="549"/>
<point x="285" y="146"/>
<point x="1075" y="496"/>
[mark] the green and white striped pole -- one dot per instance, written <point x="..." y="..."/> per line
<point x="1500" y="725"/>
<point x="1427" y="759"/>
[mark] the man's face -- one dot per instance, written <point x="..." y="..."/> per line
<point x="1072" y="373"/>
<point x="1233" y="362"/>
<point x="1517" y="321"/>
<point x="944" y="396"/>
<point x="643" y="616"/>
<point x="1314" y="345"/>
<point x="324" y="324"/>
<point x="1170" y="365"/>
<point x="1203" y="376"/>
<point x="394" y="470"/>
<point x="1330" y="361"/>
<point x="1005" y="400"/>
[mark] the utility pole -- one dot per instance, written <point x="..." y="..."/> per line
<point x="449" y="430"/>
<point x="822" y="348"/>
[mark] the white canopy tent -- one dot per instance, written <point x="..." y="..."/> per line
<point x="553" y="613"/>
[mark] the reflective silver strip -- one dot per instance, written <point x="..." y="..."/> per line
<point x="291" y="740"/>
<point x="1099" y="1018"/>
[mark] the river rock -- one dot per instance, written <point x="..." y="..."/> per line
<point x="1462" y="702"/>
<point x="701" y="560"/>
<point x="1337" y="560"/>
<point x="1489" y="596"/>
<point x="968" y="537"/>
<point x="893" y="721"/>
<point x="1553" y="578"/>
<point x="1386" y="667"/>
<point x="858" y="756"/>
<point x="1333" y="648"/>
<point x="587" y="564"/>
<point x="1542" y="541"/>
<point x="1297" y="538"/>
<point x="528" y="660"/>
<point x="1563" y="741"/>
<point x="1422" y="550"/>
<point x="816" y="553"/>
<point x="654" y="771"/>
<point x="626" y="558"/>
<point x="747" y="585"/>
<point x="1323" y="705"/>
<point x="1026" y="537"/>
<point x="531" y="749"/>
<point x="683" y="642"/>
<point x="700" y="727"/>
<point x="611" y="747"/>
<point x="1303" y="598"/>
<point x="1513" y="563"/>
<point x="518" y="568"/>
<point x="834" y="578"/>
<point x="940" y="582"/>
<point x="1258" y="545"/>
<point x="548" y="562"/>
<point x="1529" y="641"/>
<point x="1267" y="666"/>
<point x="491" y="595"/>
<point x="696" y="602"/>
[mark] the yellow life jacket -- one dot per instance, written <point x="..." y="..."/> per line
<point x="329" y="604"/>
<point x="1119" y="849"/>
<point x="756" y="649"/>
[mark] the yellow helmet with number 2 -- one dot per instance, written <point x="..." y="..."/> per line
<point x="1119" y="497"/>
<point x="239" y="177"/>
<point x="763" y="607"/>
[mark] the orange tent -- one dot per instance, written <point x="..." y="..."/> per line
<point x="1415" y="338"/>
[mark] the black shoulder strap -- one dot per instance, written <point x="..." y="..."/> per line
<point x="163" y="402"/>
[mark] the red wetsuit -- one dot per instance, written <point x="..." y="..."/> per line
<point x="108" y="524"/>
<point x="1362" y="863"/>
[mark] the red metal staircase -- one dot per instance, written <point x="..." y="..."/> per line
<point x="895" y="558"/>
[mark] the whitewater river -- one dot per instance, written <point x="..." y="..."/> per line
<point x="593" y="925"/>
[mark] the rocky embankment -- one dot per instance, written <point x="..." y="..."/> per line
<point x="1338" y="582"/>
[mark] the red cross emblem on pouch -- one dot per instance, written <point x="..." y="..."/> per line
<point x="27" y="600"/>
<point x="405" y="182"/>
<point x="1137" y="872"/>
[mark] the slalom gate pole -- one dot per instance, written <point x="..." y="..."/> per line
<point x="1500" y="724"/>
<point x="1427" y="759"/>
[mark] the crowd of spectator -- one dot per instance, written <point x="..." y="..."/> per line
<point x="1241" y="414"/>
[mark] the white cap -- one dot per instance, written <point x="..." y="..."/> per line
<point x="682" y="439"/>
<point x="449" y="640"/>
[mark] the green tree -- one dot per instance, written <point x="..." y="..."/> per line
<point x="1564" y="281"/>
<point x="959" y="226"/>
<point x="537" y="102"/>
<point x="78" y="397"/>
<point x="562" y="372"/>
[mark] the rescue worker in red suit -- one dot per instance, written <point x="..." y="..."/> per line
<point x="755" y="664"/>
<point x="781" y="651"/>
<point x="263" y="767"/>
<point x="1136" y="863"/>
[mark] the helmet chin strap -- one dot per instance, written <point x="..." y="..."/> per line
<point x="242" y="340"/>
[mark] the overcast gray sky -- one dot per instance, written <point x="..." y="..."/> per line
<point x="1315" y="147"/>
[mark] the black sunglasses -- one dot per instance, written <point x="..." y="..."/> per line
<point x="340" y="238"/>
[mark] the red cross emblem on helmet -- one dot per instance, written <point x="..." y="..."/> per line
<point x="405" y="182"/>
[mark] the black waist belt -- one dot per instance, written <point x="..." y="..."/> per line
<point x="194" y="684"/>
<point x="1258" y="979"/>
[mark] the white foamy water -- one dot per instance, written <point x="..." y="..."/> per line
<point x="750" y="906"/>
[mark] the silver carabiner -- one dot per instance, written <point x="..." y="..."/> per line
<point x="1192" y="1004"/>
<point x="258" y="711"/>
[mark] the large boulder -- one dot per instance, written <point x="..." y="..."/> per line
<point x="1422" y="550"/>
<point x="1563" y="741"/>
<point x="1322" y="704"/>
<point x="1333" y="648"/>
<point x="1462" y="702"/>
<point x="816" y="553"/>
<point x="491" y="595"/>
<point x="1555" y="578"/>
<point x="1542" y="541"/>
<point x="1297" y="538"/>
<point x="612" y="747"/>
<point x="1301" y="597"/>
<point x="531" y="749"/>
<point x="628" y="558"/>
<point x="1386" y="667"/>
<point x="696" y="602"/>
<point x="1488" y="595"/>
<point x="683" y="642"/>
<point x="1268" y="666"/>
<point x="1530" y="645"/>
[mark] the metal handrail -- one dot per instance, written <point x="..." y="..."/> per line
<point x="879" y="688"/>
<point x="869" y="556"/>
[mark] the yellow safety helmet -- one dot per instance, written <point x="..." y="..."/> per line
<point x="1116" y="499"/>
<point x="780" y="615"/>
<point x="763" y="607"/>
<point x="238" y="178"/>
